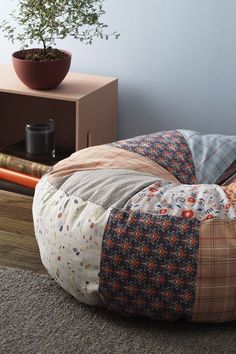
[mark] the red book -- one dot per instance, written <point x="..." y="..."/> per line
<point x="18" y="178"/>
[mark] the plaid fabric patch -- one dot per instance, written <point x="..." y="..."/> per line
<point x="106" y="157"/>
<point x="212" y="154"/>
<point x="148" y="265"/>
<point x="215" y="298"/>
<point x="169" y="149"/>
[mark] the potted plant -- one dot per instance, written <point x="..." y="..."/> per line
<point x="45" y="21"/>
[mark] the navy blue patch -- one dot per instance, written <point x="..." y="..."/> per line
<point x="149" y="265"/>
<point x="169" y="149"/>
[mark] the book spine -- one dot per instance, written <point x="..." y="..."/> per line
<point x="18" y="164"/>
<point x="15" y="188"/>
<point x="18" y="178"/>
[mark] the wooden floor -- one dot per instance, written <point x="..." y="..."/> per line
<point x="18" y="246"/>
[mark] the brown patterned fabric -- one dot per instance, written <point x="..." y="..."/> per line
<point x="215" y="298"/>
<point x="230" y="191"/>
<point x="230" y="180"/>
<point x="228" y="176"/>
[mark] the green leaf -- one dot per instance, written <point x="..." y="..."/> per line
<point x="45" y="21"/>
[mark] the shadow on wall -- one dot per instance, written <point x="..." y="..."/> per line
<point x="138" y="114"/>
<point x="142" y="112"/>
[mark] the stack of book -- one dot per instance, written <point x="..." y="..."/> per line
<point x="20" y="172"/>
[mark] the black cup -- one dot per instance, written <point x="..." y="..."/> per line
<point x="40" y="139"/>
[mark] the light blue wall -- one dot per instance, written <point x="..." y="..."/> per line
<point x="176" y="61"/>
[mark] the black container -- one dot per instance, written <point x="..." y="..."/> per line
<point x="40" y="139"/>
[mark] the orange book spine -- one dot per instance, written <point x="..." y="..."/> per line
<point x="19" y="178"/>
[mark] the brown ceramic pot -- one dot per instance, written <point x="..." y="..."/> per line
<point x="41" y="75"/>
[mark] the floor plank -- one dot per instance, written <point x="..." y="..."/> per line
<point x="18" y="246"/>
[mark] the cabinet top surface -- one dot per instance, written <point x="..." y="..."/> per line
<point x="74" y="87"/>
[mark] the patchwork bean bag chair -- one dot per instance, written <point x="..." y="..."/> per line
<point x="142" y="226"/>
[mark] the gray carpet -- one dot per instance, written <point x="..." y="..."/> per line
<point x="37" y="316"/>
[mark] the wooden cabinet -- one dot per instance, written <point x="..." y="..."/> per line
<point x="84" y="108"/>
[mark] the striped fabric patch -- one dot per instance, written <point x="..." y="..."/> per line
<point x="149" y="265"/>
<point x="169" y="149"/>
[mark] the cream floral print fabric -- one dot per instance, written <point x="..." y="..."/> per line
<point x="202" y="201"/>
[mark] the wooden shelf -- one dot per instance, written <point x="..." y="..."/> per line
<point x="84" y="108"/>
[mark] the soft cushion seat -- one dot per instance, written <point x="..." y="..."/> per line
<point x="141" y="227"/>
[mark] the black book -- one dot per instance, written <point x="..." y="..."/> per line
<point x="16" y="188"/>
<point x="15" y="158"/>
<point x="18" y="150"/>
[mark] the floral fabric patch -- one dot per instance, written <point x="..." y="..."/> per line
<point x="200" y="201"/>
<point x="149" y="264"/>
<point x="169" y="149"/>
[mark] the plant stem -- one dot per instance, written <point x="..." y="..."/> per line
<point x="44" y="47"/>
